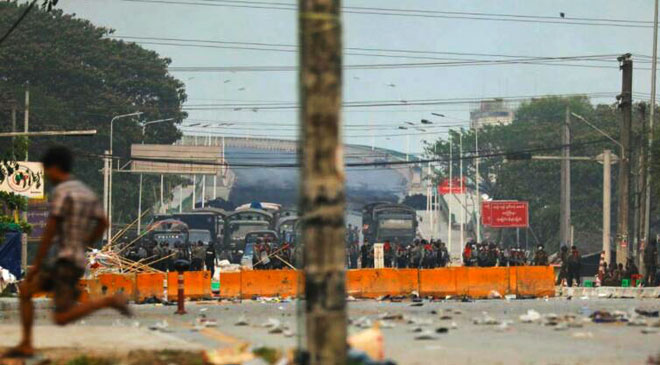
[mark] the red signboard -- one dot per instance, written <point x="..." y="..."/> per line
<point x="505" y="214"/>
<point x="456" y="187"/>
<point x="486" y="217"/>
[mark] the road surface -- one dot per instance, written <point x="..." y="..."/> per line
<point x="467" y="343"/>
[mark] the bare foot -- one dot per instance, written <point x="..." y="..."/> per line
<point x="21" y="351"/>
<point x="120" y="303"/>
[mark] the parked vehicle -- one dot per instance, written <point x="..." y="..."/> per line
<point x="388" y="221"/>
<point x="239" y="223"/>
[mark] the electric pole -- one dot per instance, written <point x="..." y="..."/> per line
<point x="625" y="104"/>
<point x="647" y="193"/>
<point x="322" y="197"/>
<point x="565" y="189"/>
<point x="607" y="195"/>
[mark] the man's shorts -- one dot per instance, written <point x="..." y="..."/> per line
<point x="61" y="278"/>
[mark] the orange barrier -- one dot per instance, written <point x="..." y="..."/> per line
<point x="481" y="281"/>
<point x="150" y="285"/>
<point x="535" y="281"/>
<point x="373" y="283"/>
<point x="438" y="282"/>
<point x="197" y="284"/>
<point x="230" y="285"/>
<point x="268" y="283"/>
<point x="110" y="284"/>
<point x="474" y="282"/>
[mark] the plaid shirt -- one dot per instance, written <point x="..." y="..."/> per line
<point x="77" y="210"/>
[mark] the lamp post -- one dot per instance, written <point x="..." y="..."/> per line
<point x="107" y="184"/>
<point x="144" y="130"/>
<point x="607" y="159"/>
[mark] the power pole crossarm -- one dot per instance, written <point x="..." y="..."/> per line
<point x="89" y="132"/>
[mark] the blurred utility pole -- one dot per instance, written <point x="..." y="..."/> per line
<point x="322" y="198"/>
<point x="625" y="104"/>
<point x="565" y="188"/>
<point x="647" y="193"/>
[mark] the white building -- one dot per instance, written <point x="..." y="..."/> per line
<point x="491" y="112"/>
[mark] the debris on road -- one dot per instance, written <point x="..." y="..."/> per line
<point x="425" y="335"/>
<point x="485" y="319"/>
<point x="242" y="321"/>
<point x="647" y="312"/>
<point x="530" y="316"/>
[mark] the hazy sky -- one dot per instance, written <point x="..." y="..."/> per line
<point x="429" y="34"/>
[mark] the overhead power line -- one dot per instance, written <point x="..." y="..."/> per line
<point x="351" y="51"/>
<point x="420" y="13"/>
<point x="483" y="154"/>
<point x="383" y="66"/>
<point x="385" y="103"/>
<point x="18" y="21"/>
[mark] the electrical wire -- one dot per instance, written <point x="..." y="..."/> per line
<point x="18" y="21"/>
<point x="472" y="156"/>
<point x="516" y="18"/>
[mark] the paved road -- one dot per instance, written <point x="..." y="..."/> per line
<point x="468" y="343"/>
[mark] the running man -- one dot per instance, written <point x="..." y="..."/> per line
<point x="76" y="220"/>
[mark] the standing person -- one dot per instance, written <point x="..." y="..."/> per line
<point x="76" y="220"/>
<point x="210" y="259"/>
<point x="650" y="262"/>
<point x="467" y="254"/>
<point x="446" y="257"/>
<point x="364" y="255"/>
<point x="540" y="257"/>
<point x="198" y="256"/>
<point x="574" y="266"/>
<point x="158" y="254"/>
<point x="401" y="258"/>
<point x="353" y="254"/>
<point x="631" y="269"/>
<point x="387" y="253"/>
<point x="563" y="265"/>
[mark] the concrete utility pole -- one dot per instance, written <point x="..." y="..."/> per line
<point x="13" y="129"/>
<point x="565" y="189"/>
<point x="625" y="104"/>
<point x="26" y="126"/>
<point x="476" y="182"/>
<point x="322" y="197"/>
<point x="607" y="195"/>
<point x="450" y="227"/>
<point x="647" y="192"/>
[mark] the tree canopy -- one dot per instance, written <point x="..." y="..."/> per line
<point x="79" y="79"/>
<point x="507" y="173"/>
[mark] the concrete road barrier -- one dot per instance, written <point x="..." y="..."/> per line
<point x="474" y="282"/>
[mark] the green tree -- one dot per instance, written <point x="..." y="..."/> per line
<point x="536" y="130"/>
<point x="79" y="79"/>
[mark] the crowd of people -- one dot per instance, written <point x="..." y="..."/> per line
<point x="418" y="254"/>
<point x="161" y="256"/>
<point x="269" y="256"/>
<point x="490" y="254"/>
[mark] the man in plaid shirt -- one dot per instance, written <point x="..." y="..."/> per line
<point x="76" y="220"/>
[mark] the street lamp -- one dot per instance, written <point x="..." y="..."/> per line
<point x="623" y="156"/>
<point x="144" y="130"/>
<point x="107" y="183"/>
